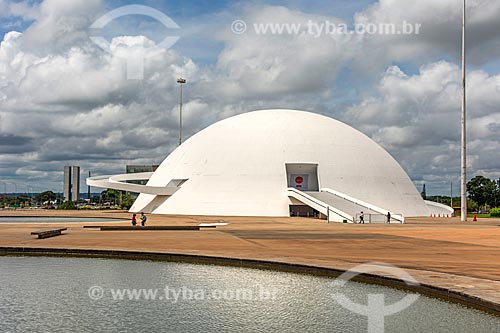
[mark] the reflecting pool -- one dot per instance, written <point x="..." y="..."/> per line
<point x="53" y="294"/>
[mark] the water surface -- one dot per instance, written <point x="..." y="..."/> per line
<point x="51" y="294"/>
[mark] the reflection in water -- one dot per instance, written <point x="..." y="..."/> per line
<point x="52" y="295"/>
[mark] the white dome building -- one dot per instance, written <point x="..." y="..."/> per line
<point x="278" y="163"/>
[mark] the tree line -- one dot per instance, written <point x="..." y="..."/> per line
<point x="49" y="199"/>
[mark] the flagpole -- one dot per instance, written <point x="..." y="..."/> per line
<point x="463" y="207"/>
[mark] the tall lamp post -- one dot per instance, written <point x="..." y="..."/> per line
<point x="180" y="81"/>
<point x="463" y="208"/>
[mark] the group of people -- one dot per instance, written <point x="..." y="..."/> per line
<point x="362" y="217"/>
<point x="143" y="219"/>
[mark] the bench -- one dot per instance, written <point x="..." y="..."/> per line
<point x="48" y="232"/>
<point x="154" y="227"/>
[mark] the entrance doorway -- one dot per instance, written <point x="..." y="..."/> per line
<point x="302" y="176"/>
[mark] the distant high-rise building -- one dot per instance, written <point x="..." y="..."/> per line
<point x="75" y="183"/>
<point x="71" y="183"/>
<point x="140" y="168"/>
<point x="67" y="183"/>
<point x="88" y="189"/>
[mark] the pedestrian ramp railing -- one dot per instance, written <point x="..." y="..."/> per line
<point x="339" y="207"/>
<point x="376" y="218"/>
<point x="371" y="209"/>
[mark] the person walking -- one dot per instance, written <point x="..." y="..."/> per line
<point x="388" y="217"/>
<point x="134" y="220"/>
<point x="143" y="219"/>
<point x="362" y="218"/>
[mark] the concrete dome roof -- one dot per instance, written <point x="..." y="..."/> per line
<point x="238" y="167"/>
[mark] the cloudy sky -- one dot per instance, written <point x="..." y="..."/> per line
<point x="64" y="100"/>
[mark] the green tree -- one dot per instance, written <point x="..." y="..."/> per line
<point x="68" y="205"/>
<point x="423" y="193"/>
<point x="110" y="195"/>
<point x="490" y="191"/>
<point x="127" y="201"/>
<point x="45" y="196"/>
<point x="481" y="190"/>
<point x="117" y="197"/>
<point x="495" y="212"/>
<point x="471" y="205"/>
<point x="495" y="202"/>
<point x="24" y="199"/>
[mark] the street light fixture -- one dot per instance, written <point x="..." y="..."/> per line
<point x="180" y="81"/>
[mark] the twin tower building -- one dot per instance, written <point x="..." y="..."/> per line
<point x="71" y="183"/>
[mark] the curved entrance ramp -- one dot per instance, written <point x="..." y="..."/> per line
<point x="119" y="182"/>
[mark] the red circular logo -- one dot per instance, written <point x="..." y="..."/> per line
<point x="299" y="180"/>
